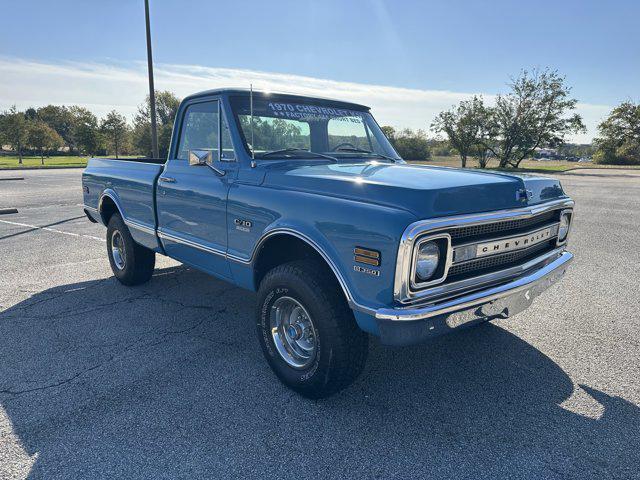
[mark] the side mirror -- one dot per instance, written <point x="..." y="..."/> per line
<point x="204" y="157"/>
<point x="200" y="157"/>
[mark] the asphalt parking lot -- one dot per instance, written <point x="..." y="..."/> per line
<point x="167" y="380"/>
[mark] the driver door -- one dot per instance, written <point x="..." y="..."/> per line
<point x="192" y="199"/>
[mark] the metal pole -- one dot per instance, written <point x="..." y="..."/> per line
<point x="152" y="92"/>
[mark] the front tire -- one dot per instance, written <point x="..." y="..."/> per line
<point x="307" y="331"/>
<point x="131" y="263"/>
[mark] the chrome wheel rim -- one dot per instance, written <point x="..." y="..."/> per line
<point x="293" y="332"/>
<point x="117" y="250"/>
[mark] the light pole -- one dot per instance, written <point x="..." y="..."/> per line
<point x="152" y="92"/>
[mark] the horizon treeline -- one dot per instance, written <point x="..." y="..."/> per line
<point x="536" y="114"/>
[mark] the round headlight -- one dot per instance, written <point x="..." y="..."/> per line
<point x="563" y="228"/>
<point x="427" y="260"/>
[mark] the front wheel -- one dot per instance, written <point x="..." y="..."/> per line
<point x="307" y="331"/>
<point x="131" y="263"/>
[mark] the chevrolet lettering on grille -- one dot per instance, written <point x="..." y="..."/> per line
<point x="513" y="243"/>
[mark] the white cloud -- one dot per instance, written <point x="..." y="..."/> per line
<point x="105" y="86"/>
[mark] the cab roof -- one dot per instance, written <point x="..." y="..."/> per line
<point x="245" y="92"/>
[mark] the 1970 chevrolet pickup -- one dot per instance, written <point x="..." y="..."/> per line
<point x="305" y="201"/>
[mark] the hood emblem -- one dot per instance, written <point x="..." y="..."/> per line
<point x="523" y="194"/>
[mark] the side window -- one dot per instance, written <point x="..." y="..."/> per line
<point x="200" y="129"/>
<point x="227" y="153"/>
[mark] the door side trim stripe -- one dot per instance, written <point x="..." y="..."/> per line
<point x="140" y="226"/>
<point x="312" y="244"/>
<point x="183" y="241"/>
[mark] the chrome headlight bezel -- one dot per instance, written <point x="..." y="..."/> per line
<point x="443" y="240"/>
<point x="568" y="213"/>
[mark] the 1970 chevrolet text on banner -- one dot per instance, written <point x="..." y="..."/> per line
<point x="305" y="201"/>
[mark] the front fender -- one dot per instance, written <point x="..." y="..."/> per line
<point x="331" y="225"/>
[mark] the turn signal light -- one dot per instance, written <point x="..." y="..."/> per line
<point x="369" y="257"/>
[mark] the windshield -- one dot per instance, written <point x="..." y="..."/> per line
<point x="285" y="128"/>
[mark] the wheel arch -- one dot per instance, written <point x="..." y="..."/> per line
<point x="284" y="245"/>
<point x="108" y="205"/>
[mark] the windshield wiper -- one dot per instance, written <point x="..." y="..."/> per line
<point x="360" y="150"/>
<point x="296" y="150"/>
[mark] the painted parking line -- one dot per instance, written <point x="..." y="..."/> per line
<point x="54" y="230"/>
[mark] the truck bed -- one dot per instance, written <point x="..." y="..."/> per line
<point x="160" y="161"/>
<point x="130" y="184"/>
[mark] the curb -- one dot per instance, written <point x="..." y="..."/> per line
<point x="615" y="167"/>
<point x="40" y="167"/>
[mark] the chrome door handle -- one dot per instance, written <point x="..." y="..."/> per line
<point x="167" y="179"/>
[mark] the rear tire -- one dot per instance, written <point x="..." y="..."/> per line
<point x="307" y="331"/>
<point x="131" y="263"/>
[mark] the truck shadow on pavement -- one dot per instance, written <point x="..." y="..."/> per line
<point x="167" y="380"/>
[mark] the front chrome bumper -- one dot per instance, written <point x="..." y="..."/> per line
<point x="408" y="325"/>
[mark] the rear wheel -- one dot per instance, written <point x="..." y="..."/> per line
<point x="131" y="263"/>
<point x="307" y="331"/>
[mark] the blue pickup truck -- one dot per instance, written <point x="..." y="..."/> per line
<point x="304" y="201"/>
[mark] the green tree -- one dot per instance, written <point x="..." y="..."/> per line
<point x="31" y="114"/>
<point x="77" y="126"/>
<point x="576" y="150"/>
<point x="274" y="133"/>
<point x="441" y="148"/>
<point x="13" y="130"/>
<point x="114" y="128"/>
<point x="61" y="120"/>
<point x="389" y="132"/>
<point x="536" y="113"/>
<point x="411" y="144"/>
<point x="619" y="136"/>
<point x="41" y="137"/>
<point x="86" y="132"/>
<point x="482" y="155"/>
<point x="462" y="125"/>
<point x="486" y="135"/>
<point x="166" y="109"/>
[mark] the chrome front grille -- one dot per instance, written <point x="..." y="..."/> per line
<point x="464" y="266"/>
<point x="484" y="248"/>
<point x="463" y="234"/>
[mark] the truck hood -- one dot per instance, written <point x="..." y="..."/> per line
<point x="425" y="191"/>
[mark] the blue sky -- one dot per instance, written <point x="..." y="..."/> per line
<point x="397" y="47"/>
